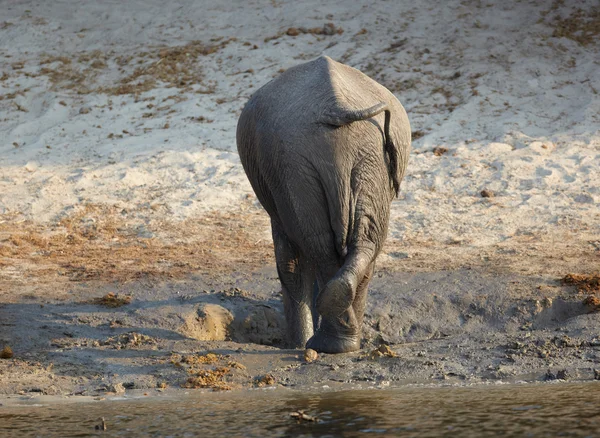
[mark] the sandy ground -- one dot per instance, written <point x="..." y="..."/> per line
<point x="118" y="174"/>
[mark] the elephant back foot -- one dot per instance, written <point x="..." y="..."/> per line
<point x="333" y="343"/>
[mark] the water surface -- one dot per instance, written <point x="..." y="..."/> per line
<point x="569" y="410"/>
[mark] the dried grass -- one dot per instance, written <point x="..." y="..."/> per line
<point x="212" y="379"/>
<point x="98" y="243"/>
<point x="175" y="67"/>
<point x="581" y="26"/>
<point x="200" y="376"/>
<point x="584" y="283"/>
<point x="112" y="300"/>
<point x="88" y="72"/>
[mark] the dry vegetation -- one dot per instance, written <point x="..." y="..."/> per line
<point x="112" y="300"/>
<point x="200" y="376"/>
<point x="103" y="244"/>
<point x="100" y="243"/>
<point x="584" y="283"/>
<point x="581" y="26"/>
<point x="93" y="72"/>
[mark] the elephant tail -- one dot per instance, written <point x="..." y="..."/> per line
<point x="341" y="117"/>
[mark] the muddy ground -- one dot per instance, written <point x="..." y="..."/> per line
<point x="99" y="304"/>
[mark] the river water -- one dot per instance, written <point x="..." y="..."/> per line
<point x="568" y="410"/>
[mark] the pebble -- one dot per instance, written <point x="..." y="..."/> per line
<point x="310" y="355"/>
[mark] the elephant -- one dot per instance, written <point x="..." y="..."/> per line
<point x="325" y="148"/>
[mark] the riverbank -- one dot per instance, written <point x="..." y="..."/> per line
<point x="466" y="326"/>
<point x="135" y="257"/>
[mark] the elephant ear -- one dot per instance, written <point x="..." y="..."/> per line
<point x="342" y="116"/>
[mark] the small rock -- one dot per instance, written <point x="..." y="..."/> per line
<point x="386" y="350"/>
<point x="329" y="29"/>
<point x="563" y="375"/>
<point x="117" y="388"/>
<point x="266" y="380"/>
<point x="293" y="31"/>
<point x="417" y="134"/>
<point x="596" y="374"/>
<point x="6" y="353"/>
<point x="31" y="166"/>
<point x="439" y="151"/>
<point x="593" y="303"/>
<point x="102" y="425"/>
<point x="302" y="416"/>
<point x="487" y="193"/>
<point x="84" y="110"/>
<point x="310" y="355"/>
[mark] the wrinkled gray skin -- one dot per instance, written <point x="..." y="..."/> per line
<point x="314" y="146"/>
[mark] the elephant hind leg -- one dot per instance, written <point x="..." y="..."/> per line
<point x="341" y="332"/>
<point x="297" y="279"/>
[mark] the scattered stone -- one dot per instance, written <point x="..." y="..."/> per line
<point x="593" y="303"/>
<point x="417" y="134"/>
<point x="487" y="193"/>
<point x="438" y="151"/>
<point x="128" y="340"/>
<point x="117" y="388"/>
<point x="303" y="416"/>
<point x="266" y="380"/>
<point x="6" y="353"/>
<point x="596" y="374"/>
<point x="330" y="29"/>
<point x="382" y="351"/>
<point x="236" y="365"/>
<point x="310" y="355"/>
<point x="563" y="375"/>
<point x="385" y="350"/>
<point x="84" y="110"/>
<point x="102" y="425"/>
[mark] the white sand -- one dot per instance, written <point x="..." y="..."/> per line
<point x="517" y="108"/>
